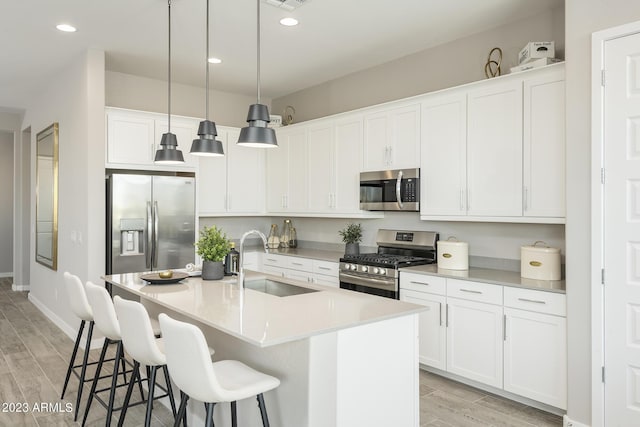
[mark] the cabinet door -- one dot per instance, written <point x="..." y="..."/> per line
<point x="320" y="167"/>
<point x="185" y="131"/>
<point x="432" y="340"/>
<point x="297" y="200"/>
<point x="443" y="164"/>
<point x="376" y="141"/>
<point x="544" y="146"/>
<point x="404" y="147"/>
<point x="302" y="276"/>
<point x="474" y="341"/>
<point x="321" y="279"/>
<point x="494" y="150"/>
<point x="130" y="139"/>
<point x="348" y="164"/>
<point x="277" y="174"/>
<point x="535" y="356"/>
<point x="245" y="176"/>
<point x="211" y="181"/>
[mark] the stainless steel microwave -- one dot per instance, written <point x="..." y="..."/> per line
<point x="390" y="190"/>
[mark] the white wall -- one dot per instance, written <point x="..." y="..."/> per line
<point x="451" y="64"/>
<point x="583" y="17"/>
<point x="141" y="93"/>
<point x="74" y="99"/>
<point x="6" y="203"/>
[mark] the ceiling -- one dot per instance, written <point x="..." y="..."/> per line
<point x="334" y="38"/>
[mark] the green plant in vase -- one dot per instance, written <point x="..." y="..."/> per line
<point x="351" y="236"/>
<point x="212" y="246"/>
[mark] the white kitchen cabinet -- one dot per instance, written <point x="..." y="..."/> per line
<point x="535" y="346"/>
<point x="134" y="136"/>
<point x="233" y="183"/>
<point x="348" y="143"/>
<point x="443" y="163"/>
<point x="544" y="145"/>
<point x="320" y="166"/>
<point x="287" y="172"/>
<point x="319" y="272"/>
<point x="432" y="342"/>
<point x="392" y="138"/>
<point x="277" y="172"/>
<point x="494" y="150"/>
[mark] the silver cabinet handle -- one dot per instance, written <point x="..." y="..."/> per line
<point x="525" y="199"/>
<point x="149" y="249"/>
<point x="419" y="283"/>
<point x="504" y="327"/>
<point x="272" y="260"/>
<point x="398" y="195"/>
<point x="297" y="263"/>
<point x="470" y="291"/>
<point x="446" y="316"/>
<point x="324" y="268"/>
<point x="532" y="300"/>
<point x="440" y="313"/>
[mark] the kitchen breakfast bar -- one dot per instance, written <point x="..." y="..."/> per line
<point x="343" y="358"/>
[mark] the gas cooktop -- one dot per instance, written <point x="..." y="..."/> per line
<point x="386" y="260"/>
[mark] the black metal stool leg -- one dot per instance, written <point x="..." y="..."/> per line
<point x="95" y="380"/>
<point x="127" y="398"/>
<point x="169" y="389"/>
<point x="263" y="410"/>
<point x="114" y="383"/>
<point x="152" y="386"/>
<point x="209" y="417"/>
<point x="85" y="360"/>
<point x="182" y="411"/>
<point x="234" y="415"/>
<point x="72" y="361"/>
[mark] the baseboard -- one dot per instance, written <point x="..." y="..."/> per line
<point x="64" y="327"/>
<point x="568" y="422"/>
<point x="20" y="288"/>
<point x="6" y="274"/>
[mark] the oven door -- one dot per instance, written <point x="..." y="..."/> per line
<point x="384" y="287"/>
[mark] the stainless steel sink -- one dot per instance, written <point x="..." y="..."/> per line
<point x="278" y="289"/>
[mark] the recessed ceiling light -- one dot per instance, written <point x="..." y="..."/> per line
<point x="215" y="60"/>
<point x="289" y="22"/>
<point x="66" y="28"/>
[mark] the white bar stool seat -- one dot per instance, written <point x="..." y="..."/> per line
<point x="193" y="372"/>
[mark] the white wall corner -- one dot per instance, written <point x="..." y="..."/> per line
<point x="568" y="422"/>
<point x="68" y="330"/>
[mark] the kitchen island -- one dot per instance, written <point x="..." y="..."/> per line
<point x="344" y="358"/>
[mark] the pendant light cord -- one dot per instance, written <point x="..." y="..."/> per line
<point x="169" y="75"/>
<point x="258" y="61"/>
<point x="207" y="70"/>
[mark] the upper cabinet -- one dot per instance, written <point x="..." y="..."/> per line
<point x="494" y="151"/>
<point x="232" y="184"/>
<point x="134" y="136"/>
<point x="392" y="137"/>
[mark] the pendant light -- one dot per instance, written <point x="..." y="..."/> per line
<point x="168" y="153"/>
<point x="207" y="145"/>
<point x="257" y="134"/>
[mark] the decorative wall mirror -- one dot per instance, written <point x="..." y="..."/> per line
<point x="47" y="197"/>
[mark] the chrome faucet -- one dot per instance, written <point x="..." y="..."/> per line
<point x="241" y="261"/>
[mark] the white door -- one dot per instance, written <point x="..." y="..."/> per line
<point x="622" y="231"/>
<point x="277" y="173"/>
<point x="320" y="167"/>
<point x="348" y="163"/>
<point x="298" y="197"/>
<point x="130" y="139"/>
<point x="432" y="346"/>
<point x="245" y="176"/>
<point x="404" y="146"/>
<point x="211" y="181"/>
<point x="376" y="141"/>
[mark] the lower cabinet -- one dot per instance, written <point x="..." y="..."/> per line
<point x="509" y="338"/>
<point x="308" y="270"/>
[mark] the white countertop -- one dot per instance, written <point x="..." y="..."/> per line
<point x="485" y="275"/>
<point x="262" y="319"/>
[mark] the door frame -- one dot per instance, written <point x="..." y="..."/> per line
<point x="598" y="40"/>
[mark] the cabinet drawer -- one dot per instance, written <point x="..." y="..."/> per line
<point x="300" y="264"/>
<point x="538" y="301"/>
<point x="326" y="268"/>
<point x="274" y="271"/>
<point x="423" y="283"/>
<point x="474" y="291"/>
<point x="274" y="260"/>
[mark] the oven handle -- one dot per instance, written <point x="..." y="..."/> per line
<point x="372" y="282"/>
<point x="398" y="193"/>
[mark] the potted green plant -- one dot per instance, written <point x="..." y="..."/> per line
<point x="212" y="247"/>
<point x="351" y="236"/>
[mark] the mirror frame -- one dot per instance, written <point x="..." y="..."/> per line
<point x="43" y="137"/>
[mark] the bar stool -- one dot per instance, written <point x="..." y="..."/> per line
<point x="144" y="348"/>
<point x="81" y="308"/>
<point x="107" y="323"/>
<point x="197" y="377"/>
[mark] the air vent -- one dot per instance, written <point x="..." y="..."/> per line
<point x="287" y="5"/>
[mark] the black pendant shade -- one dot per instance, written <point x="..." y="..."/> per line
<point x="168" y="153"/>
<point x="257" y="134"/>
<point x="207" y="144"/>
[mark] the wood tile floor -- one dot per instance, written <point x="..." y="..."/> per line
<point x="34" y="356"/>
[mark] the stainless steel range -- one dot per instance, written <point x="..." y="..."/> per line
<point x="377" y="273"/>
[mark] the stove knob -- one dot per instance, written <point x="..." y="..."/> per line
<point x="382" y="271"/>
<point x="364" y="268"/>
<point x="375" y="270"/>
<point x="354" y="267"/>
<point x="347" y="267"/>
